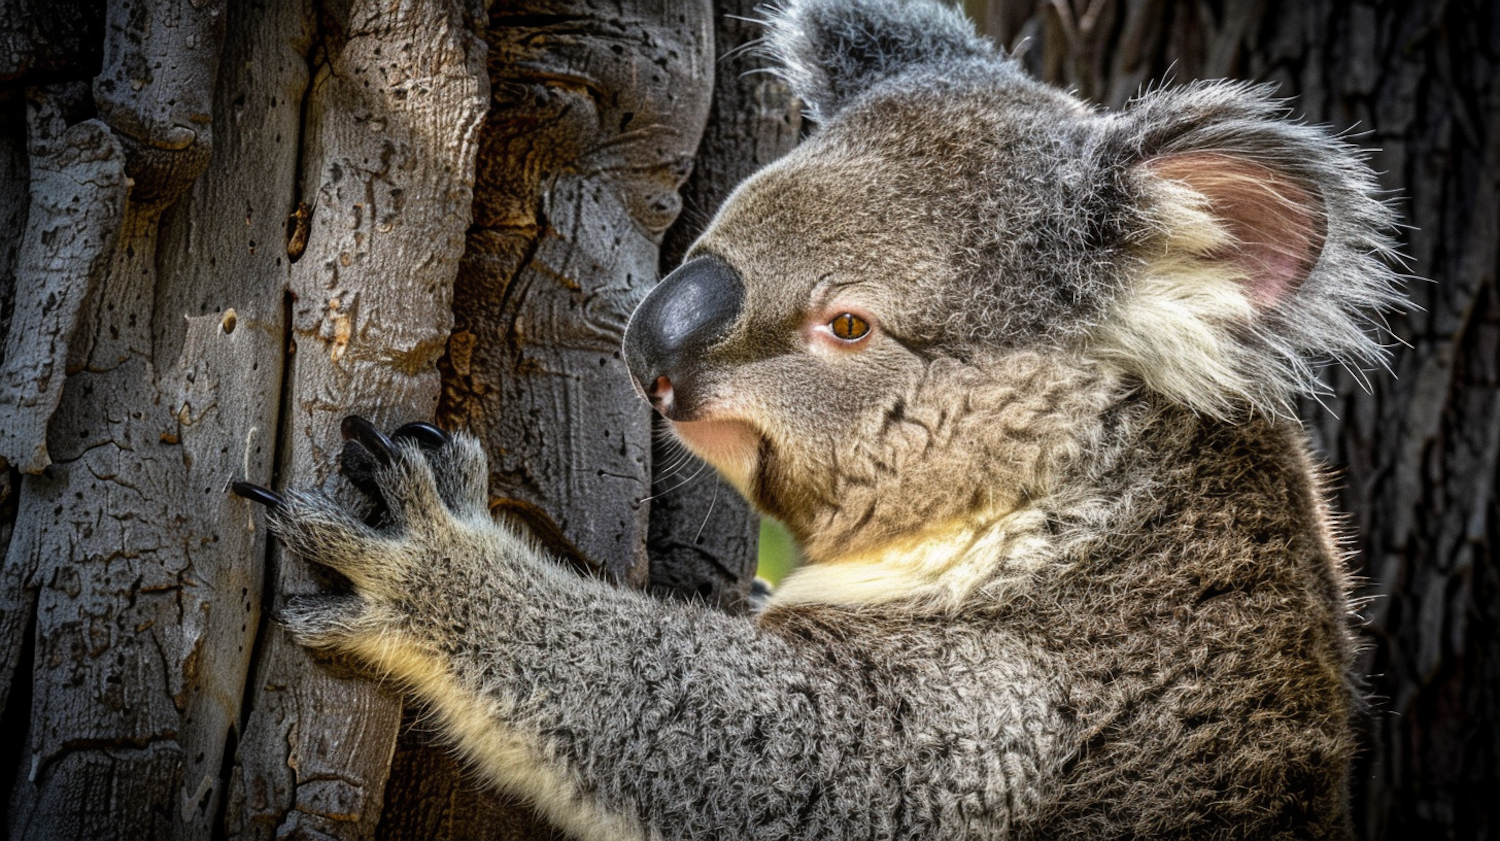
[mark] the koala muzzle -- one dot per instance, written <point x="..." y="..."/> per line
<point x="671" y="332"/>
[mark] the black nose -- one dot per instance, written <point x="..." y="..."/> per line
<point x="674" y="328"/>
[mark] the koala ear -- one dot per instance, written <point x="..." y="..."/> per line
<point x="830" y="51"/>
<point x="1262" y="250"/>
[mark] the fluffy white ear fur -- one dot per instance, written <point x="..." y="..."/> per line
<point x="1275" y="226"/>
<point x="1236" y="241"/>
<point x="1265" y="257"/>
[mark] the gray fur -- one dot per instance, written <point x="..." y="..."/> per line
<point x="1085" y="595"/>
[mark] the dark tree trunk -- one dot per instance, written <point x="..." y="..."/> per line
<point x="1418" y="454"/>
<point x="238" y="223"/>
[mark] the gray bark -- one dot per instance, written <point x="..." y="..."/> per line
<point x="389" y="137"/>
<point x="156" y="89"/>
<point x="77" y="188"/>
<point x="1417" y="455"/>
<point x="133" y="585"/>
<point x="247" y="221"/>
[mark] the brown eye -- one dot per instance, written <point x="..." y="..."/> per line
<point x="849" y="327"/>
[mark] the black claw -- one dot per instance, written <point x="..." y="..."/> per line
<point x="255" y="493"/>
<point x="359" y="466"/>
<point x="424" y="434"/>
<point x="358" y="429"/>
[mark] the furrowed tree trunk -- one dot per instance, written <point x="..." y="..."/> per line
<point x="1416" y="455"/>
<point x="238" y="223"/>
<point x="594" y="127"/>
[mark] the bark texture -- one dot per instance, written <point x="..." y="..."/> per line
<point x="50" y="40"/>
<point x="144" y="694"/>
<point x="241" y="222"/>
<point x="1418" y="453"/>
<point x="77" y="189"/>
<point x="389" y="134"/>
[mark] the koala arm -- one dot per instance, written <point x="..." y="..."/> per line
<point x="623" y="716"/>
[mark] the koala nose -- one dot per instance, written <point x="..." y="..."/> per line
<point x="687" y="313"/>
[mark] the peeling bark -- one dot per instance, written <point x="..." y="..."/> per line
<point x="77" y="190"/>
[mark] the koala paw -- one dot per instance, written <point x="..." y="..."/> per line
<point x="430" y="491"/>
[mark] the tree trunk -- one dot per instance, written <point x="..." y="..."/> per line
<point x="1418" y="453"/>
<point x="240" y="223"/>
<point x="577" y="182"/>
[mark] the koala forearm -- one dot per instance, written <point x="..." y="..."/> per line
<point x="622" y="715"/>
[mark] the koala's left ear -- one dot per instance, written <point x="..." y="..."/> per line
<point x="830" y="51"/>
<point x="1263" y="250"/>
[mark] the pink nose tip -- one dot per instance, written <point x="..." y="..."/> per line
<point x="661" y="394"/>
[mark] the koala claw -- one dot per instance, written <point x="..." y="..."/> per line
<point x="431" y="505"/>
<point x="255" y="493"/>
<point x="366" y="450"/>
<point x="356" y="428"/>
<point x="425" y="434"/>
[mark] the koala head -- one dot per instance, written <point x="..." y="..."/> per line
<point x="921" y="314"/>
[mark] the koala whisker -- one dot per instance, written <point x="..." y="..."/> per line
<point x="689" y="480"/>
<point x="708" y="515"/>
<point x="678" y="457"/>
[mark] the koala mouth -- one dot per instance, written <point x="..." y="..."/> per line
<point x="731" y="445"/>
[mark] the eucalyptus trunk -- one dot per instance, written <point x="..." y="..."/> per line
<point x="237" y="223"/>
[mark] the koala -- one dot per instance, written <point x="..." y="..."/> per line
<point x="1017" y="373"/>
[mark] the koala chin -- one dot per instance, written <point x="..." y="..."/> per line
<point x="1018" y="375"/>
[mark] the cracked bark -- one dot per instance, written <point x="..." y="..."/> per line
<point x="300" y="178"/>
<point x="77" y="189"/>
<point x="132" y="591"/>
<point x="1417" y="457"/>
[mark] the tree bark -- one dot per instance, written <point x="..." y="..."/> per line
<point x="1418" y="453"/>
<point x="132" y="600"/>
<point x="236" y="232"/>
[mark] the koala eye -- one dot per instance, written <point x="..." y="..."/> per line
<point x="849" y="327"/>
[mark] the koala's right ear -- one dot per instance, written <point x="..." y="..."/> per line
<point x="831" y="51"/>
